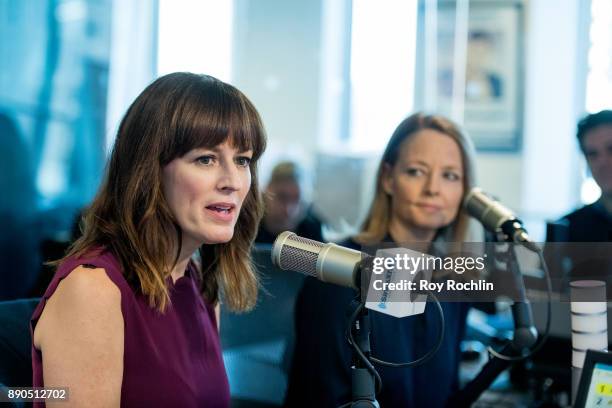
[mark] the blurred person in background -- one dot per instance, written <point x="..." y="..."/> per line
<point x="131" y="316"/>
<point x="593" y="222"/>
<point x="286" y="207"/>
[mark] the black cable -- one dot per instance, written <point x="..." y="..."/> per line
<point x="423" y="359"/>
<point x="544" y="336"/>
<point x="364" y="359"/>
<point x="418" y="361"/>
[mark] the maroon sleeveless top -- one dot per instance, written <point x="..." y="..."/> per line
<point x="170" y="360"/>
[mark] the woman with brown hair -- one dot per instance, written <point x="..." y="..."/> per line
<point x="131" y="316"/>
<point x="425" y="172"/>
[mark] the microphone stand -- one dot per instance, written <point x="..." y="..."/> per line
<point x="525" y="336"/>
<point x="363" y="386"/>
<point x="363" y="383"/>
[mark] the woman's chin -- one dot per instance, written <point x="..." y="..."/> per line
<point x="432" y="224"/>
<point x="220" y="237"/>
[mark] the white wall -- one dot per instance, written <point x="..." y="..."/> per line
<point x="554" y="100"/>
<point x="276" y="64"/>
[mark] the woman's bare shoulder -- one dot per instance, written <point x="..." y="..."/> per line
<point x="86" y="296"/>
<point x="80" y="334"/>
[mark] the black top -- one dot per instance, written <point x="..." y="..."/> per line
<point x="320" y="373"/>
<point x="588" y="224"/>
<point x="591" y="223"/>
<point x="310" y="227"/>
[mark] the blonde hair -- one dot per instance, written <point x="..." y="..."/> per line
<point x="376" y="224"/>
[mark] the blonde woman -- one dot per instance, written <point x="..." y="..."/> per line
<point x="426" y="170"/>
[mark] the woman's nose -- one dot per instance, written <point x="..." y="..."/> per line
<point x="432" y="185"/>
<point x="229" y="179"/>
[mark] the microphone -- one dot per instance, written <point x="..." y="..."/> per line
<point x="495" y="217"/>
<point x="327" y="262"/>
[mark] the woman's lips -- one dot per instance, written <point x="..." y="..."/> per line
<point x="430" y="207"/>
<point x="221" y="211"/>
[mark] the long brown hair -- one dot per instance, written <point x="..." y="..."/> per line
<point x="376" y="224"/>
<point x="130" y="215"/>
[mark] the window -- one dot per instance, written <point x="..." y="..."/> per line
<point x="599" y="77"/>
<point x="367" y="72"/>
<point x="195" y="36"/>
<point x="383" y="43"/>
<point x="54" y="58"/>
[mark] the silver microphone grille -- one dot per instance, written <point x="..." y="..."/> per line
<point x="473" y="202"/>
<point x="491" y="213"/>
<point x="295" y="253"/>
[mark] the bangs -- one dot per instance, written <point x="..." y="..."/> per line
<point x="209" y="117"/>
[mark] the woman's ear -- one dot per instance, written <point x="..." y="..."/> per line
<point x="387" y="178"/>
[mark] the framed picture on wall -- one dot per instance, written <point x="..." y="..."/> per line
<point x="492" y="101"/>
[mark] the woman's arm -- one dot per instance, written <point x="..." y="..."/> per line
<point x="80" y="334"/>
<point x="218" y="316"/>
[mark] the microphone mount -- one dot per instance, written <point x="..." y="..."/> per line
<point x="513" y="231"/>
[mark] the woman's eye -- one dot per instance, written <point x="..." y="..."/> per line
<point x="412" y="171"/>
<point x="452" y="176"/>
<point x="206" y="160"/>
<point x="243" y="161"/>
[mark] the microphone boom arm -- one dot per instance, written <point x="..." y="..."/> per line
<point x="524" y="337"/>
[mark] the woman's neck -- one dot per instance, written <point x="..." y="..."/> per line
<point x="179" y="270"/>
<point x="402" y="234"/>
<point x="181" y="265"/>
